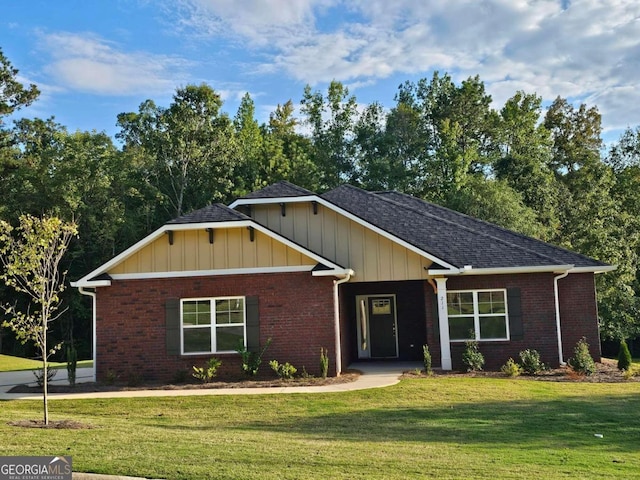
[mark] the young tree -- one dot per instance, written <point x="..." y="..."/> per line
<point x="31" y="256"/>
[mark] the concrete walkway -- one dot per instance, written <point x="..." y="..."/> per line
<point x="374" y="375"/>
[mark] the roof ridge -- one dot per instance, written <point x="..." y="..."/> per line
<point x="458" y="225"/>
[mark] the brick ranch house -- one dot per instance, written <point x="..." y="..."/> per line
<point x="365" y="275"/>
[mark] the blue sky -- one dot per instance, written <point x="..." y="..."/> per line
<point x="93" y="59"/>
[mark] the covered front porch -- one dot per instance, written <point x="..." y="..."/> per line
<point x="388" y="321"/>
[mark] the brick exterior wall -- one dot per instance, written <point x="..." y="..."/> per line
<point x="578" y="314"/>
<point x="296" y="312"/>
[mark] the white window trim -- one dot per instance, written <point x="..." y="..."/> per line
<point x="477" y="315"/>
<point x="212" y="326"/>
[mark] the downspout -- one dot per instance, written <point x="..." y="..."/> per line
<point x="93" y="325"/>
<point x="336" y="319"/>
<point x="557" y="298"/>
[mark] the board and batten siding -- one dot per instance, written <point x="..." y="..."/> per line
<point x="231" y="249"/>
<point x="372" y="256"/>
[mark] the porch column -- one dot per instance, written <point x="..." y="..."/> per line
<point x="443" y="321"/>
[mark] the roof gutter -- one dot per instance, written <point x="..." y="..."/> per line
<point x="469" y="270"/>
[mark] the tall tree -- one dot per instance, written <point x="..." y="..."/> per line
<point x="13" y="96"/>
<point x="190" y="146"/>
<point x="250" y="143"/>
<point x="331" y="121"/>
<point x="31" y="261"/>
<point x="524" y="146"/>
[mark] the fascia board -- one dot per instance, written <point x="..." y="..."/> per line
<point x="503" y="270"/>
<point x="596" y="270"/>
<point x="270" y="200"/>
<point x="350" y="216"/>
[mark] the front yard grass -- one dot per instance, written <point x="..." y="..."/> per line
<point x="9" y="363"/>
<point x="421" y="428"/>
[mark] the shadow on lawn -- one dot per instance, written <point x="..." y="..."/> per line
<point x="562" y="423"/>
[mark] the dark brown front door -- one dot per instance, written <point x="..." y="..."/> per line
<point x="382" y="327"/>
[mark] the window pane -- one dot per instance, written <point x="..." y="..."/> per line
<point x="229" y="338"/>
<point x="461" y="328"/>
<point x="236" y="317"/>
<point x="197" y="312"/>
<point x="197" y="340"/>
<point x="223" y="305"/>
<point x="491" y="302"/>
<point x="460" y="303"/>
<point x="493" y="327"/>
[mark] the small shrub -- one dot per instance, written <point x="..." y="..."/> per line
<point x="530" y="362"/>
<point x="251" y="361"/>
<point x="624" y="356"/>
<point x="285" y="371"/>
<point x="426" y="358"/>
<point x="305" y="374"/>
<point x="582" y="361"/>
<point x="72" y="363"/>
<point x="39" y="374"/>
<point x="207" y="373"/>
<point x="511" y="368"/>
<point x="324" y="362"/>
<point x="472" y="359"/>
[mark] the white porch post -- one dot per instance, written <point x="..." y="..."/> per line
<point x="443" y="321"/>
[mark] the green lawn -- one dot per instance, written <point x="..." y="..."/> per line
<point x="9" y="364"/>
<point x="420" y="428"/>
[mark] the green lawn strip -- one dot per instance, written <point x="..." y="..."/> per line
<point x="437" y="427"/>
<point x="9" y="364"/>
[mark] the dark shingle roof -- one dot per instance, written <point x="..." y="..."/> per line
<point x="216" y="212"/>
<point x="451" y="236"/>
<point x="278" y="190"/>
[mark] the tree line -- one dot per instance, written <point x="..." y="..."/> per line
<point x="541" y="170"/>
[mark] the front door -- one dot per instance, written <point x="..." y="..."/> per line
<point x="382" y="327"/>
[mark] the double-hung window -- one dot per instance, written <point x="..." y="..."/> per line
<point x="478" y="315"/>
<point x="212" y="325"/>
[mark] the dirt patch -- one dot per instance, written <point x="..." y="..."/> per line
<point x="346" y="377"/>
<point x="57" y="424"/>
<point x="606" y="372"/>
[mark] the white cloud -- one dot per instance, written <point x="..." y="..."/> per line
<point x="89" y="64"/>
<point x="581" y="50"/>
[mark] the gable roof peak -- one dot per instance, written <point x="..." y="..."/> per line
<point x="216" y="212"/>
<point x="278" y="190"/>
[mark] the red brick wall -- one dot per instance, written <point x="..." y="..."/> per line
<point x="578" y="309"/>
<point x="296" y="312"/>
<point x="578" y="315"/>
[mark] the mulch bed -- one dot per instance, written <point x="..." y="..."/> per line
<point x="53" y="424"/>
<point x="606" y="372"/>
<point x="87" y="387"/>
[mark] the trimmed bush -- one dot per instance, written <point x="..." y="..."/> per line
<point x="472" y="359"/>
<point x="324" y="362"/>
<point x="624" y="356"/>
<point x="530" y="362"/>
<point x="285" y="371"/>
<point x="426" y="358"/>
<point x="582" y="361"/>
<point x="511" y="368"/>
<point x="205" y="374"/>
